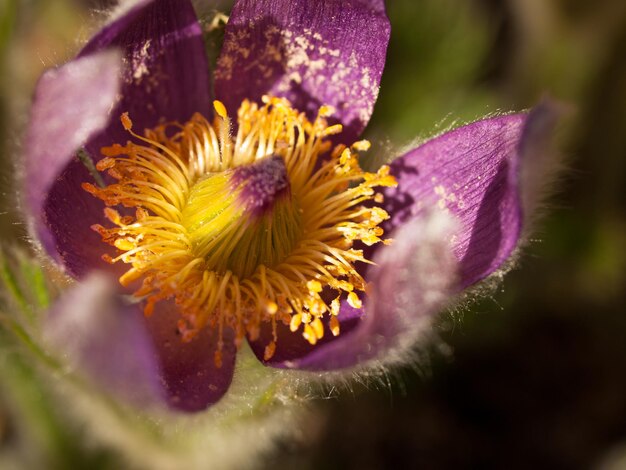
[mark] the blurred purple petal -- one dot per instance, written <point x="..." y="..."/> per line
<point x="311" y="52"/>
<point x="138" y="359"/>
<point x="166" y="78"/>
<point x="106" y="340"/>
<point x="71" y="104"/>
<point x="414" y="279"/>
<point x="541" y="163"/>
<point x="472" y="172"/>
<point x="189" y="374"/>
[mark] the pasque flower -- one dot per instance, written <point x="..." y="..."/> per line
<point x="231" y="205"/>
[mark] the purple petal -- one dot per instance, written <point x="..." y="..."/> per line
<point x="71" y="104"/>
<point x="311" y="52"/>
<point x="166" y="78"/>
<point x="292" y="347"/>
<point x="68" y="214"/>
<point x="541" y="162"/>
<point x="189" y="372"/>
<point x="167" y="73"/>
<point x="413" y="280"/>
<point x="106" y="340"/>
<point x="473" y="173"/>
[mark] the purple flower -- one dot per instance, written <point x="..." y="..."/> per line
<point x="262" y="227"/>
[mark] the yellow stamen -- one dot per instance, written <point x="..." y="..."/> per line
<point x="229" y="258"/>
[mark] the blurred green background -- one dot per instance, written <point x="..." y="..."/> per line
<point x="532" y="377"/>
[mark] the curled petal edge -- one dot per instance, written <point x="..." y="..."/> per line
<point x="475" y="173"/>
<point x="70" y="106"/>
<point x="104" y="339"/>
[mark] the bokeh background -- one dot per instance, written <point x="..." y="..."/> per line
<point x="533" y="376"/>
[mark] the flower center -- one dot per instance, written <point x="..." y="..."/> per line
<point x="242" y="218"/>
<point x="246" y="228"/>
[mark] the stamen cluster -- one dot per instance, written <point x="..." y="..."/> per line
<point x="202" y="236"/>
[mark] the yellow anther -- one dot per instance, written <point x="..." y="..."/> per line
<point x="354" y="301"/>
<point x="130" y="276"/>
<point x="126" y="121"/>
<point x="220" y="109"/>
<point x="377" y="215"/>
<point x="309" y="334"/>
<point x="334" y="325"/>
<point x="346" y="155"/>
<point x="270" y="349"/>
<point x="384" y="170"/>
<point x="105" y="164"/>
<point x="326" y="111"/>
<point x="218" y="359"/>
<point x="314" y="286"/>
<point x="124" y="244"/>
<point x="318" y="328"/>
<point x="271" y="307"/>
<point x="384" y="177"/>
<point x="362" y="145"/>
<point x="316" y="307"/>
<point x="112" y="215"/>
<point x="295" y="323"/>
<point x="332" y="130"/>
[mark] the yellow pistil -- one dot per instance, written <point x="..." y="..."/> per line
<point x="200" y="235"/>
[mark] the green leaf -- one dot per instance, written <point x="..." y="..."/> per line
<point x="24" y="284"/>
<point x="10" y="282"/>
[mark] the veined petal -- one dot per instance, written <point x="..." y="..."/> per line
<point x="191" y="378"/>
<point x="473" y="173"/>
<point x="414" y="279"/>
<point x="71" y="105"/>
<point x="166" y="78"/>
<point x="105" y="340"/>
<point x="328" y="52"/>
<point x="167" y="72"/>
